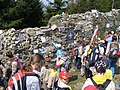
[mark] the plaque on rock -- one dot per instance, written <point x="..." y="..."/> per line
<point x="70" y="36"/>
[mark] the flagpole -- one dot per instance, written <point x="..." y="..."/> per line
<point x="94" y="35"/>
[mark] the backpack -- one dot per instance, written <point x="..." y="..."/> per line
<point x="114" y="48"/>
<point x="56" y="87"/>
<point x="101" y="86"/>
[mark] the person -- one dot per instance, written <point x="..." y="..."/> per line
<point x="109" y="37"/>
<point x="35" y="63"/>
<point x="26" y="79"/>
<point x="111" y="52"/>
<point x="99" y="79"/>
<point x="2" y="73"/>
<point x="76" y="58"/>
<point x="108" y="73"/>
<point x="52" y="77"/>
<point x="64" y="62"/>
<point x="44" y="75"/>
<point x="86" y="52"/>
<point x="58" y="54"/>
<point x="62" y="82"/>
<point x="16" y="63"/>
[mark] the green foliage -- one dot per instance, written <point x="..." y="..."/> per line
<point x="72" y="8"/>
<point x="56" y="7"/>
<point x="83" y="5"/>
<point x="29" y="13"/>
<point x="87" y="5"/>
<point x="21" y="13"/>
<point x="103" y="5"/>
<point x="116" y="4"/>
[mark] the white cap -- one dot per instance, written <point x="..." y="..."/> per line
<point x="58" y="45"/>
<point x="35" y="51"/>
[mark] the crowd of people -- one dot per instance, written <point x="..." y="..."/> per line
<point x="96" y="62"/>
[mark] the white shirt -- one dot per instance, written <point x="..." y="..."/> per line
<point x="32" y="83"/>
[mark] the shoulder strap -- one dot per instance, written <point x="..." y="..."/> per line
<point x="106" y="83"/>
<point x="31" y="74"/>
<point x="24" y="78"/>
<point x="95" y="84"/>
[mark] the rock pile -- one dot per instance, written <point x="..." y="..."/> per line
<point x="24" y="41"/>
<point x="88" y="19"/>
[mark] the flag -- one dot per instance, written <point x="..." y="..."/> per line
<point x="94" y="35"/>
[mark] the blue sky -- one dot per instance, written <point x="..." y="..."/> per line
<point x="45" y="1"/>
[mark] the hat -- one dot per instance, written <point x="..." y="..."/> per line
<point x="64" y="75"/>
<point x="100" y="66"/>
<point x="101" y="63"/>
<point x="90" y="87"/>
<point x="35" y="51"/>
<point x="59" y="45"/>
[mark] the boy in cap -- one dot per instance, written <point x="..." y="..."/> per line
<point x="52" y="77"/>
<point x="62" y="83"/>
<point x="99" y="79"/>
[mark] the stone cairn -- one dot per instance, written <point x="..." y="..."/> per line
<point x="25" y="40"/>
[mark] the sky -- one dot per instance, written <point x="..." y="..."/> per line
<point x="45" y="1"/>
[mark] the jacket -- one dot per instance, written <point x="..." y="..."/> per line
<point x="24" y="81"/>
<point x="99" y="80"/>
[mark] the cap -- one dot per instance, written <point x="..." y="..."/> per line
<point x="100" y="66"/>
<point x="64" y="75"/>
<point x="90" y="87"/>
<point x="101" y="63"/>
<point x="59" y="45"/>
<point x="35" y="51"/>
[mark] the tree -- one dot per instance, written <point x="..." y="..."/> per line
<point x="6" y="9"/>
<point x="103" y="5"/>
<point x="83" y="5"/>
<point x="72" y="8"/>
<point x="21" y="14"/>
<point x="30" y="11"/>
<point x="116" y="4"/>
